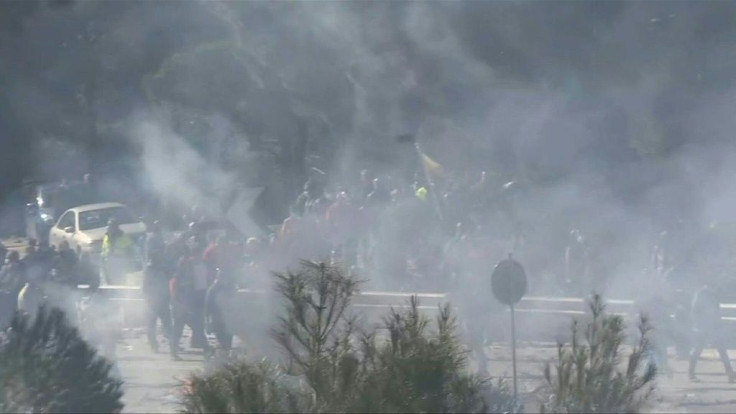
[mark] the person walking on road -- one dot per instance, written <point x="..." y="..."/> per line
<point x="221" y="297"/>
<point x="188" y="290"/>
<point x="32" y="296"/>
<point x="66" y="263"/>
<point x="13" y="276"/>
<point x="156" y="287"/>
<point x="707" y="329"/>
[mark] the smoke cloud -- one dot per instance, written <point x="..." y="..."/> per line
<point x="610" y="118"/>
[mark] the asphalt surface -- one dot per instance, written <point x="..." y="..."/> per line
<point x="152" y="380"/>
<point x="674" y="392"/>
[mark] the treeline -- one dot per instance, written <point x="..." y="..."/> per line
<point x="323" y="84"/>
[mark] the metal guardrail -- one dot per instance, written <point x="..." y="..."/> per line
<point x="382" y="300"/>
<point x="539" y="318"/>
<point x="385" y="300"/>
<point x="548" y="305"/>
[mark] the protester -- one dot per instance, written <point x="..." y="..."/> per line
<point x="62" y="283"/>
<point x="13" y="275"/>
<point x="220" y="301"/>
<point x="66" y="264"/>
<point x="471" y="256"/>
<point x="156" y="286"/>
<point x="188" y="290"/>
<point x="118" y="250"/>
<point x="12" y="280"/>
<point x="344" y="221"/>
<point x="88" y="270"/>
<point x="313" y="200"/>
<point x="708" y="329"/>
<point x="380" y="196"/>
<point x="222" y="256"/>
<point x="198" y="231"/>
<point x="32" y="296"/>
<point x="286" y="243"/>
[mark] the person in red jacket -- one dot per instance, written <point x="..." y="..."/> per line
<point x="222" y="256"/>
<point x="188" y="290"/>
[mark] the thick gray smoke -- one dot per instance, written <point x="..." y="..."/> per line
<point x="617" y="113"/>
<point x="177" y="172"/>
<point x="612" y="118"/>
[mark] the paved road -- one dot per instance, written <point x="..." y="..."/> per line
<point x="674" y="394"/>
<point x="151" y="379"/>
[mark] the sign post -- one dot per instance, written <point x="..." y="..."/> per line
<point x="508" y="283"/>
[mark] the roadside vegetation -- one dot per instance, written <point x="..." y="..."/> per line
<point x="594" y="374"/>
<point x="409" y="364"/>
<point x="46" y="367"/>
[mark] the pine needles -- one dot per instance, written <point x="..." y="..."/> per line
<point x="407" y="365"/>
<point x="45" y="366"/>
<point x="590" y="377"/>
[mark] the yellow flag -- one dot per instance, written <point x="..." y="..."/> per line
<point x="432" y="166"/>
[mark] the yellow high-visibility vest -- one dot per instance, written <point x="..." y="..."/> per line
<point x="422" y="193"/>
<point x="122" y="244"/>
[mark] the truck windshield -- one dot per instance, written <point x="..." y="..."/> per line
<point x="95" y="219"/>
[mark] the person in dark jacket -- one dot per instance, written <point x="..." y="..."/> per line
<point x="13" y="274"/>
<point x="219" y="303"/>
<point x="66" y="263"/>
<point x="156" y="286"/>
<point x="12" y="280"/>
<point x="707" y="329"/>
<point x="188" y="290"/>
<point x="380" y="196"/>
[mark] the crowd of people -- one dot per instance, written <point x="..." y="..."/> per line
<point x="421" y="236"/>
<point x="397" y="236"/>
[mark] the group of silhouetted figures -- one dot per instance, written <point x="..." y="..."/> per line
<point x="412" y="237"/>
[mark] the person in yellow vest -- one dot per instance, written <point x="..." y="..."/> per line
<point x="117" y="252"/>
<point x="421" y="193"/>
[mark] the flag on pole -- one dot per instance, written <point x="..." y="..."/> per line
<point x="432" y="166"/>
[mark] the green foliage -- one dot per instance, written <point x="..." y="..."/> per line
<point x="420" y="369"/>
<point x="406" y="365"/>
<point x="590" y="377"/>
<point x="315" y="331"/>
<point x="241" y="387"/>
<point x="46" y="366"/>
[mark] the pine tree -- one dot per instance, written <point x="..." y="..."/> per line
<point x="46" y="366"/>
<point x="592" y="376"/>
<point x="330" y="366"/>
